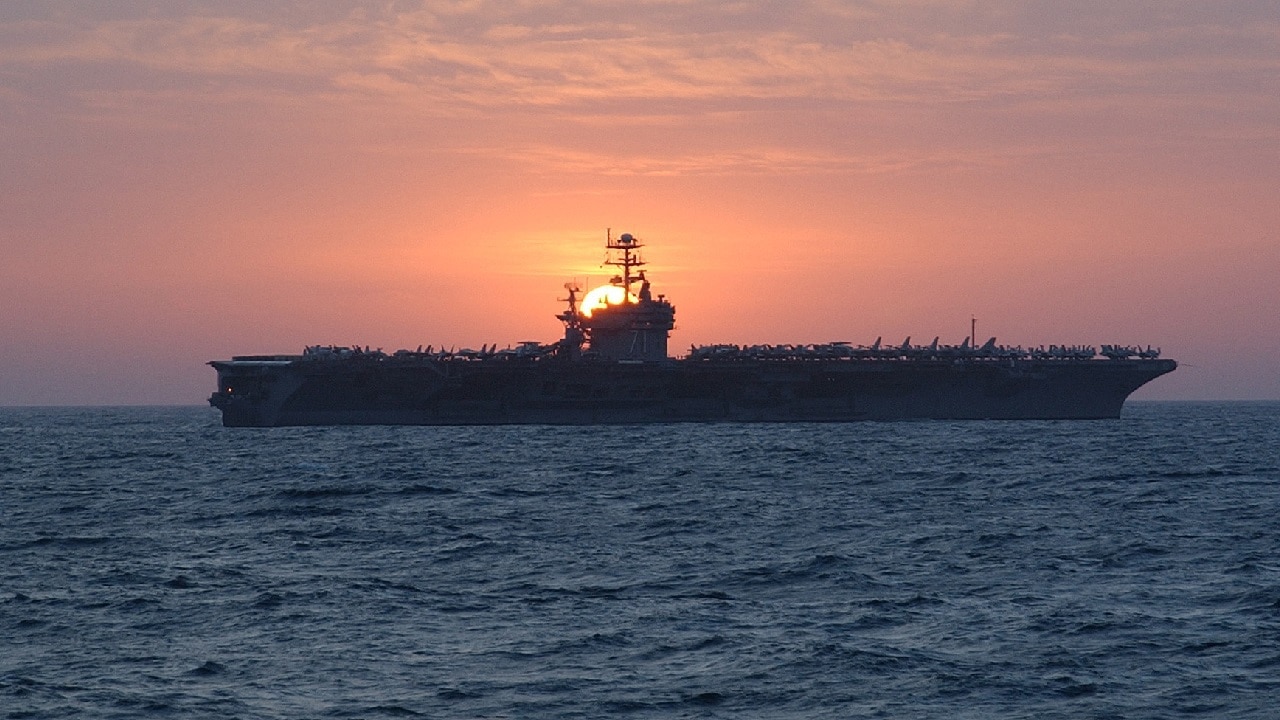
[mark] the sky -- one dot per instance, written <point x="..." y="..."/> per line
<point x="189" y="180"/>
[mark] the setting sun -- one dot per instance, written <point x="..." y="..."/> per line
<point x="604" y="296"/>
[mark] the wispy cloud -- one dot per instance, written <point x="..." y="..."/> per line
<point x="559" y="160"/>
<point x="672" y="87"/>
<point x="548" y="54"/>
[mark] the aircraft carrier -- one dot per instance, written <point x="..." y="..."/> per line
<point x="612" y="366"/>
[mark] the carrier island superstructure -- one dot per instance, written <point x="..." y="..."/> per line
<point x="612" y="366"/>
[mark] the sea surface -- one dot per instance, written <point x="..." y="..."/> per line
<point x="154" y="564"/>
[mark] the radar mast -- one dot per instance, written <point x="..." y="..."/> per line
<point x="624" y="252"/>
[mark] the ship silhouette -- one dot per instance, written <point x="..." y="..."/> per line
<point x="612" y="366"/>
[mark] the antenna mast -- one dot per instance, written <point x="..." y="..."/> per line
<point x="629" y="258"/>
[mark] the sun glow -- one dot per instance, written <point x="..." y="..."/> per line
<point x="602" y="297"/>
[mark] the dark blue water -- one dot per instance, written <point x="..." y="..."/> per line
<point x="155" y="564"/>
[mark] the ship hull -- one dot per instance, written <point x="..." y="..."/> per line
<point x="300" y="392"/>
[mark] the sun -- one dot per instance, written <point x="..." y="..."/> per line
<point x="602" y="297"/>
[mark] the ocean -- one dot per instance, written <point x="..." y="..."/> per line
<point x="156" y="564"/>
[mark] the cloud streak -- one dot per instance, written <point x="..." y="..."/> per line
<point x="500" y="55"/>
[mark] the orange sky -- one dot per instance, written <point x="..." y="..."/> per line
<point x="216" y="178"/>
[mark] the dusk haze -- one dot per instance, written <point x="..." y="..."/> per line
<point x="185" y="181"/>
